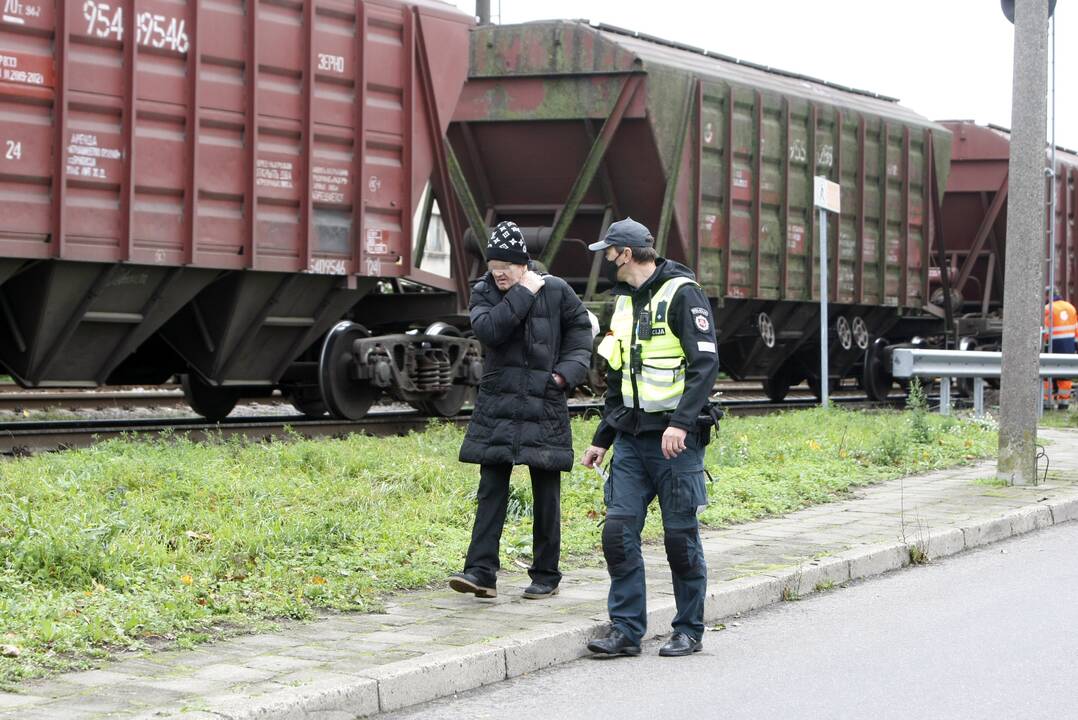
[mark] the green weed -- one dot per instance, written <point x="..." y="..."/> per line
<point x="892" y="446"/>
<point x="921" y="431"/>
<point x="918" y="556"/>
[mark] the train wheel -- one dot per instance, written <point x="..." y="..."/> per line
<point x="307" y="399"/>
<point x="814" y="385"/>
<point x="442" y="328"/>
<point x="447" y="405"/>
<point x="343" y="396"/>
<point x="776" y="386"/>
<point x="212" y="402"/>
<point x="877" y="375"/>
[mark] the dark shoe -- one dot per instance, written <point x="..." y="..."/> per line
<point x="614" y="644"/>
<point x="468" y="583"/>
<point x="538" y="591"/>
<point x="681" y="644"/>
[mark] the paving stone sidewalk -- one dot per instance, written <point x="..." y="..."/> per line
<point x="434" y="643"/>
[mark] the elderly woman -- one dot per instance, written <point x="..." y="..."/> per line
<point x="536" y="338"/>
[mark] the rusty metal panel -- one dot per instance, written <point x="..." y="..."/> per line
<point x="758" y="154"/>
<point x="714" y="208"/>
<point x="241" y="134"/>
<point x="543" y="49"/>
<point x="975" y="215"/>
<point x="742" y="211"/>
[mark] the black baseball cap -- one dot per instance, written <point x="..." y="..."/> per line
<point x="624" y="233"/>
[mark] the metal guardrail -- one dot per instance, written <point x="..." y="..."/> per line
<point x="948" y="364"/>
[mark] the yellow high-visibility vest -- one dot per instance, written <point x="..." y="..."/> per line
<point x="661" y="378"/>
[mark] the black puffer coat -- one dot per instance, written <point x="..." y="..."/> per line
<point x="521" y="416"/>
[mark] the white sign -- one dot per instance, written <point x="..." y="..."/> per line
<point x="826" y="194"/>
<point x="83" y="154"/>
<point x="327" y="184"/>
<point x="273" y="174"/>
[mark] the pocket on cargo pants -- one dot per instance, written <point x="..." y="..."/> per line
<point x="688" y="491"/>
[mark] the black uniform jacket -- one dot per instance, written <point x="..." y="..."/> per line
<point x="692" y="321"/>
<point x="521" y="416"/>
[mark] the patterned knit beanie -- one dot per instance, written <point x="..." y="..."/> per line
<point x="507" y="243"/>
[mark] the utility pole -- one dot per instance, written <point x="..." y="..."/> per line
<point x="1051" y="284"/>
<point x="1020" y="386"/>
<point x="482" y="11"/>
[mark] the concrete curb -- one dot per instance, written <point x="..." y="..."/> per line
<point x="410" y="682"/>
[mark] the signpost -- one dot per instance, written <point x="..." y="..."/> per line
<point x="826" y="197"/>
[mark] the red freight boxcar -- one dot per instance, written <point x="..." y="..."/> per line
<point x="564" y="126"/>
<point x="975" y="229"/>
<point x="209" y="187"/>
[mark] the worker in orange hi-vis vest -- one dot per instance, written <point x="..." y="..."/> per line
<point x="1061" y="320"/>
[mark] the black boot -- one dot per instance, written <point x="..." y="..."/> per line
<point x="614" y="644"/>
<point x="538" y="591"/>
<point x="468" y="583"/>
<point x="681" y="644"/>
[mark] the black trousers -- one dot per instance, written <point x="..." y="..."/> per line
<point x="493" y="498"/>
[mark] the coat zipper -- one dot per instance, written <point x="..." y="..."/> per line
<point x="524" y="386"/>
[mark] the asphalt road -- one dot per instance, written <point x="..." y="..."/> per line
<point x="988" y="634"/>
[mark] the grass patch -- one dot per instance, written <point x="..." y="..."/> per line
<point x="991" y="481"/>
<point x="775" y="464"/>
<point x="138" y="544"/>
<point x="1059" y="419"/>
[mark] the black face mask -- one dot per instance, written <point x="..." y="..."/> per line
<point x="610" y="269"/>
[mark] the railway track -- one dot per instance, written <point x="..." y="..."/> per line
<point x="18" y="400"/>
<point x="25" y="438"/>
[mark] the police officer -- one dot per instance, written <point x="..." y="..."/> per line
<point x="1059" y="323"/>
<point x="663" y="360"/>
